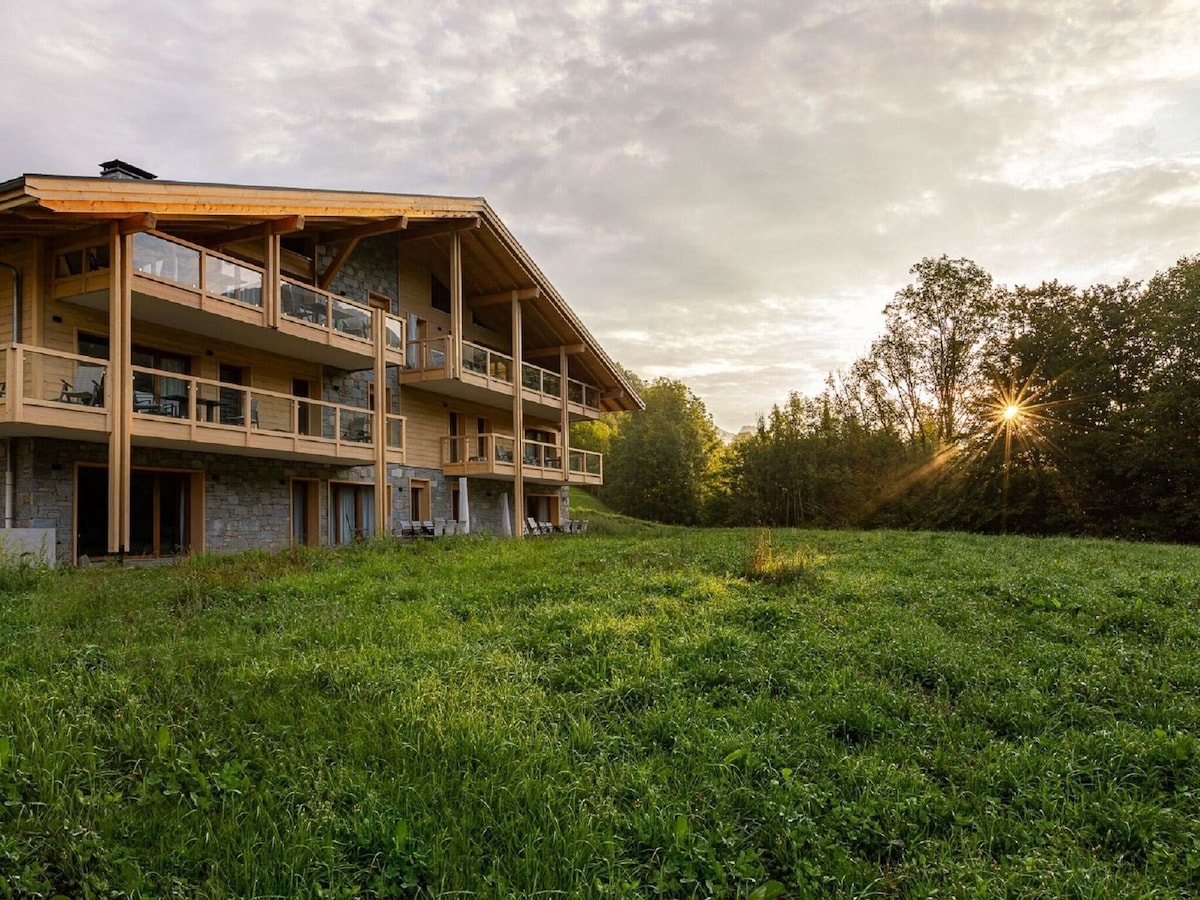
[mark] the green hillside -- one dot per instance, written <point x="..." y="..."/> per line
<point x="676" y="712"/>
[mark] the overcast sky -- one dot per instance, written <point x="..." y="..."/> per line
<point x="727" y="193"/>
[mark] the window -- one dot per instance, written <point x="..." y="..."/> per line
<point x="93" y="345"/>
<point x="439" y="294"/>
<point x="543" y="508"/>
<point x="232" y="401"/>
<point x="164" y="506"/>
<point x="418" y="500"/>
<point x="351" y="512"/>
<point x="160" y="393"/>
<point x="306" y="512"/>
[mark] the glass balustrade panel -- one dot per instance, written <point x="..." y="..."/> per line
<point x="475" y="359"/>
<point x="531" y="377"/>
<point x="165" y="259"/>
<point x="394" y="333"/>
<point x="350" y="318"/>
<point x="303" y="303"/>
<point x="233" y="281"/>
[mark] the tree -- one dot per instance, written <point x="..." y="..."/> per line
<point x="937" y="328"/>
<point x="661" y="461"/>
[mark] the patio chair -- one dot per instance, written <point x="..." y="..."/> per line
<point x="146" y="402"/>
<point x="355" y="428"/>
<point x="232" y="415"/>
<point x="87" y="389"/>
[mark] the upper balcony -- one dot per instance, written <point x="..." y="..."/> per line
<point x="486" y="373"/>
<point x="181" y="285"/>
<point x="64" y="395"/>
<point x="493" y="456"/>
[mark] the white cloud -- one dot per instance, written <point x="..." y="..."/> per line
<point x="727" y="193"/>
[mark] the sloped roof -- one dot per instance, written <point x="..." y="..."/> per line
<point x="56" y="205"/>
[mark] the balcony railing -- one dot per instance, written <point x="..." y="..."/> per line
<point x="393" y="334"/>
<point x="46" y="386"/>
<point x="426" y="354"/>
<point x="223" y="406"/>
<point x="541" y="455"/>
<point x="492" y="454"/>
<point x="207" y="273"/>
<point x="478" y="453"/>
<point x="583" y="394"/>
<point x="491" y="364"/>
<point x="198" y="268"/>
<point x="586" y="466"/>
<point x="541" y="381"/>
<point x="313" y="306"/>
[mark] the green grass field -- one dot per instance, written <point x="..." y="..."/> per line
<point x="636" y="713"/>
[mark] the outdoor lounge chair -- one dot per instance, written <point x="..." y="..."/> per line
<point x="87" y="389"/>
<point x="355" y="428"/>
<point x="146" y="402"/>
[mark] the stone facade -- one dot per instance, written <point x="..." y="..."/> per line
<point x="247" y="500"/>
<point x="371" y="267"/>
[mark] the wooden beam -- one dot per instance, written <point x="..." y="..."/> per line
<point x="335" y="265"/>
<point x="370" y="229"/>
<point x="480" y="300"/>
<point x="97" y="234"/>
<point x="542" y="352"/>
<point x="456" y="305"/>
<point x="285" y="225"/>
<point x="421" y="230"/>
<point x="518" y="416"/>
<point x="141" y="222"/>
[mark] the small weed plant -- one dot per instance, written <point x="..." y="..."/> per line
<point x="764" y="564"/>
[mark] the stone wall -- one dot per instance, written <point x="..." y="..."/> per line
<point x="371" y="267"/>
<point x="247" y="500"/>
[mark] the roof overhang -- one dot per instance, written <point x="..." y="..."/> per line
<point x="57" y="205"/>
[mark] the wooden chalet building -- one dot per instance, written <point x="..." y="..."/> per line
<point x="208" y="368"/>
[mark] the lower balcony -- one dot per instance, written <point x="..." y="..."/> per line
<point x="485" y="371"/>
<point x="494" y="456"/>
<point x="52" y="393"/>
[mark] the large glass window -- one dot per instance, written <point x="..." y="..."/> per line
<point x="352" y="512"/>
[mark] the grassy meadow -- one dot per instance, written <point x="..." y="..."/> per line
<point x="643" y="712"/>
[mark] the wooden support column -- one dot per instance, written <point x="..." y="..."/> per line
<point x="518" y="424"/>
<point x="566" y="415"/>
<point x="119" y="388"/>
<point x="379" y="423"/>
<point x="456" y="305"/>
<point x="271" y="275"/>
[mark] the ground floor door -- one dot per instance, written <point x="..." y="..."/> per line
<point x="306" y="512"/>
<point x="351" y="512"/>
<point x="162" y="509"/>
<point x="542" y="508"/>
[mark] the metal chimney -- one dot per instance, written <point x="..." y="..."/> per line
<point x="123" y="171"/>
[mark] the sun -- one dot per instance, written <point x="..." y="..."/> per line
<point x="1012" y="411"/>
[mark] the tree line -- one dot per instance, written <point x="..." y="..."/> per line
<point x="1043" y="410"/>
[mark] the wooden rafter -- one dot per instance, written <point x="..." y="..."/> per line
<point x="283" y="225"/>
<point x="542" y="352"/>
<point x="335" y="265"/>
<point x="481" y="300"/>
<point x="422" y="230"/>
<point x="141" y="222"/>
<point x="369" y="229"/>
